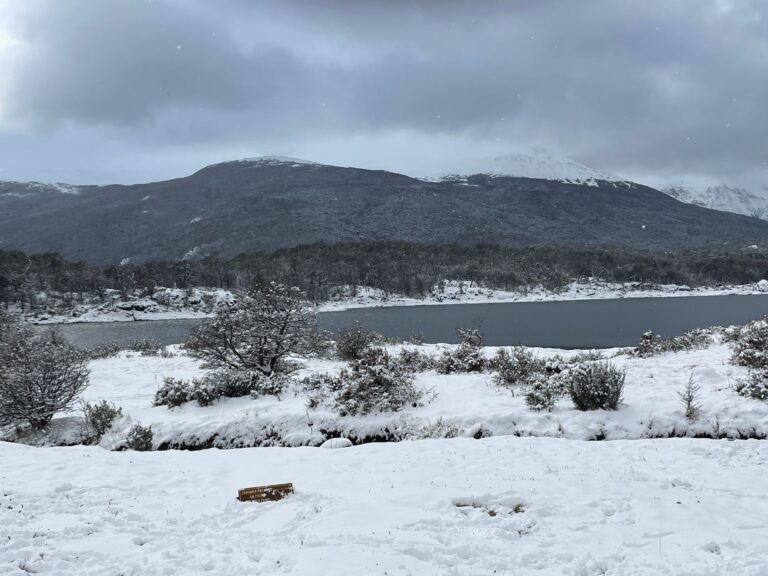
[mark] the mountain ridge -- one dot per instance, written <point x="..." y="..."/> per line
<point x="267" y="203"/>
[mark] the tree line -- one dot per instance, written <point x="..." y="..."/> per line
<point x="394" y="267"/>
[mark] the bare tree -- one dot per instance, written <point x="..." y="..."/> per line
<point x="39" y="377"/>
<point x="257" y="332"/>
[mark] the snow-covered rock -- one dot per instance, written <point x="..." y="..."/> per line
<point x="334" y="443"/>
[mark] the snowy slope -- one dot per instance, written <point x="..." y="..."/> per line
<point x="721" y="197"/>
<point x="24" y="189"/>
<point x="539" y="164"/>
<point x="508" y="505"/>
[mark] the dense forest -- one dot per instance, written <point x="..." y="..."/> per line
<point x="395" y="267"/>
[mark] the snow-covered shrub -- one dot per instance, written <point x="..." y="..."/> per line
<point x="596" y="386"/>
<point x="730" y="333"/>
<point x="438" y="429"/>
<point x="586" y="356"/>
<point x="516" y="367"/>
<point x="652" y="344"/>
<point x="415" y="361"/>
<point x="353" y="342"/>
<point x="230" y="383"/>
<point x="139" y="438"/>
<point x="543" y="392"/>
<point x="751" y="346"/>
<point x="273" y="385"/>
<point x="173" y="392"/>
<point x="106" y="350"/>
<point x="258" y="332"/>
<point x="100" y="417"/>
<point x="417" y="338"/>
<point x="317" y="389"/>
<point x="147" y="346"/>
<point x="374" y="383"/>
<point x="466" y="357"/>
<point x="40" y="375"/>
<point x="754" y="385"/>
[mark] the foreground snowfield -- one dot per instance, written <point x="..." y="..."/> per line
<point x="441" y="507"/>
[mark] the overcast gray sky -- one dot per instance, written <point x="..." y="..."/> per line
<point x="138" y="90"/>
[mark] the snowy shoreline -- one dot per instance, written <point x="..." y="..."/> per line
<point x="453" y="292"/>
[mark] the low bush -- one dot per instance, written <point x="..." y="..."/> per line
<point x="652" y="344"/>
<point x="139" y="438"/>
<point x="173" y="392"/>
<point x="146" y="346"/>
<point x="100" y="417"/>
<point x="415" y="361"/>
<point x="274" y="385"/>
<point x="466" y="357"/>
<point x="596" y="386"/>
<point x="750" y="346"/>
<point x="436" y="430"/>
<point x="317" y="389"/>
<point x="730" y="334"/>
<point x="543" y="392"/>
<point x="352" y="343"/>
<point x="754" y="385"/>
<point x="107" y="350"/>
<point x="518" y="366"/>
<point x="586" y="356"/>
<point x="374" y="383"/>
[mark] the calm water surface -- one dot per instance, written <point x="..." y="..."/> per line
<point x="575" y="324"/>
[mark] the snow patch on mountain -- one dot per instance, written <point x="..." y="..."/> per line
<point x="31" y="188"/>
<point x="275" y="160"/>
<point x="540" y="164"/>
<point x="751" y="202"/>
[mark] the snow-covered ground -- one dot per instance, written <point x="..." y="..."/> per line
<point x="462" y="292"/>
<point x="443" y="507"/>
<point x="463" y="403"/>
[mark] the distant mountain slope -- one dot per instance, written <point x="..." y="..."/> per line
<point x="721" y="197"/>
<point x="268" y="203"/>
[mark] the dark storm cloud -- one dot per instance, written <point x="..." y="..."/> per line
<point x="658" y="88"/>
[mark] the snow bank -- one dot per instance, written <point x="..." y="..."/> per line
<point x="494" y="506"/>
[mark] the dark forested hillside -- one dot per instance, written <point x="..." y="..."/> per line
<point x="396" y="267"/>
<point x="263" y="205"/>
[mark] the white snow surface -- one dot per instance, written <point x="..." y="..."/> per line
<point x="449" y="507"/>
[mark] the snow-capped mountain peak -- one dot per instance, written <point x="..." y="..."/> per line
<point x="751" y="202"/>
<point x="540" y="164"/>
